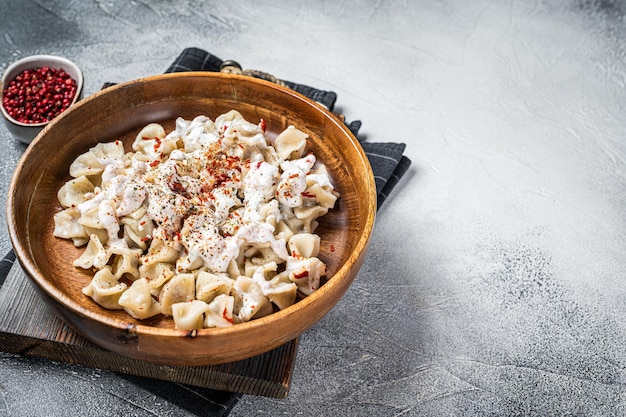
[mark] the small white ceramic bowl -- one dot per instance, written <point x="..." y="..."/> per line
<point x="26" y="132"/>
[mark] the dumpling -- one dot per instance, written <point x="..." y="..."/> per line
<point x="74" y="192"/>
<point x="138" y="302"/>
<point x="259" y="256"/>
<point x="196" y="134"/>
<point x="270" y="212"/>
<point x="66" y="226"/>
<point x="279" y="289"/>
<point x="106" y="213"/>
<point x="250" y="298"/>
<point x="132" y="199"/>
<point x="304" y="245"/>
<point x="95" y="255"/>
<point x="105" y="289"/>
<point x="147" y="140"/>
<point x="308" y="216"/>
<point x="209" y="285"/>
<point x="259" y="185"/>
<point x="138" y="228"/>
<point x="320" y="176"/>
<point x="220" y="312"/>
<point x="101" y="233"/>
<point x="223" y="121"/>
<point x="261" y="235"/>
<point x="306" y="273"/>
<point x="180" y="288"/>
<point x="246" y="135"/>
<point x="157" y="275"/>
<point x="290" y="143"/>
<point x="324" y="197"/>
<point x="189" y="315"/>
<point x="89" y="214"/>
<point x="160" y="251"/>
<point x="94" y="161"/>
<point x="290" y="188"/>
<point x="283" y="231"/>
<point x="126" y="262"/>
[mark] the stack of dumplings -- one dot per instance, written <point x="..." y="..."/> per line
<point x="212" y="223"/>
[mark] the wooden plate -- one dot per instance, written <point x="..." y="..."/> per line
<point x="119" y="112"/>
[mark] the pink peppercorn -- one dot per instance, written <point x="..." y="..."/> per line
<point x="39" y="95"/>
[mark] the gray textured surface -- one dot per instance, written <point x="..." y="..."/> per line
<point x="495" y="279"/>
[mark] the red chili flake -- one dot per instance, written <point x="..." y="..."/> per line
<point x="177" y="236"/>
<point x="157" y="144"/>
<point x="302" y="274"/>
<point x="263" y="125"/>
<point x="145" y="239"/>
<point x="294" y="176"/>
<point x="178" y="188"/>
<point x="308" y="195"/>
<point x="142" y="223"/>
<point x="154" y="163"/>
<point x="332" y="248"/>
<point x="221" y="178"/>
<point x="225" y="315"/>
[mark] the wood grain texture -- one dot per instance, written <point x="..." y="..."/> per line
<point x="118" y="113"/>
<point x="28" y="327"/>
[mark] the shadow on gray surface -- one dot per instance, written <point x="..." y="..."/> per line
<point x="196" y="400"/>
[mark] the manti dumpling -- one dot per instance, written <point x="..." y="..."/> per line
<point x="212" y="223"/>
<point x="105" y="289"/>
<point x="138" y="302"/>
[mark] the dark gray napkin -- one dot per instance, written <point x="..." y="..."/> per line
<point x="5" y="265"/>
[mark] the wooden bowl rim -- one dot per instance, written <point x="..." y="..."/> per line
<point x="39" y="278"/>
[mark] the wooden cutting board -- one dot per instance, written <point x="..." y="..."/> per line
<point x="28" y="327"/>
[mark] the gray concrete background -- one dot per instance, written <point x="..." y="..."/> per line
<point x="495" y="280"/>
